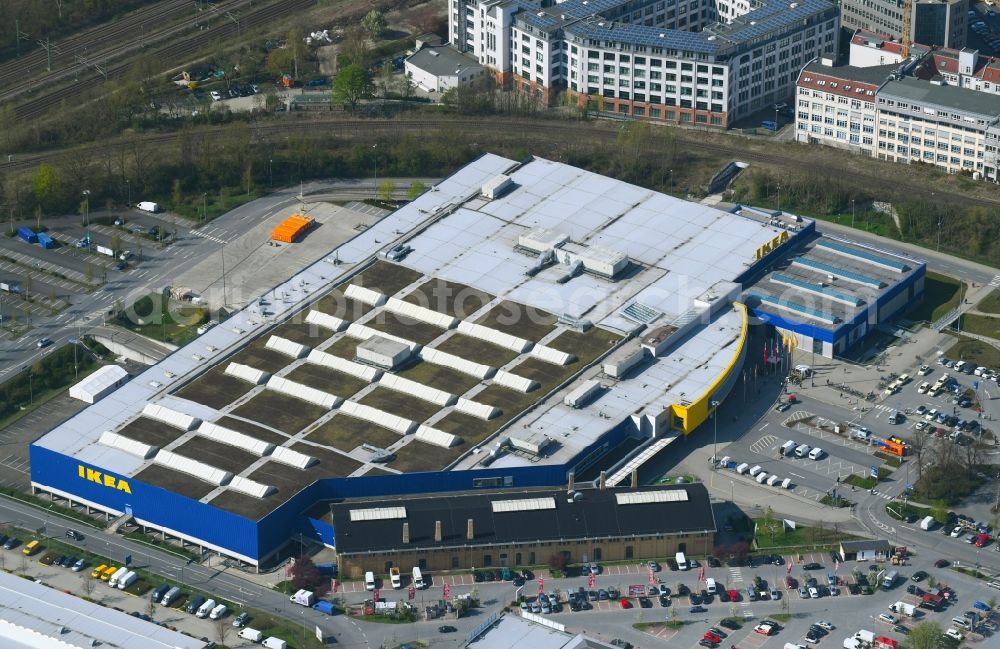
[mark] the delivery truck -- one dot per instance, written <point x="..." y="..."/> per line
<point x="275" y="643"/>
<point x="324" y="606"/>
<point x="149" y="206"/>
<point x="127" y="580"/>
<point x="302" y="597"/>
<point x="46" y="241"/>
<point x="418" y="578"/>
<point x="253" y="635"/>
<point x="927" y="523"/>
<point x="27" y="234"/>
<point x="10" y="287"/>
<point x="395" y="578"/>
<point x="903" y="608"/>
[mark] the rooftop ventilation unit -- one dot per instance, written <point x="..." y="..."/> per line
<point x="497" y="186"/>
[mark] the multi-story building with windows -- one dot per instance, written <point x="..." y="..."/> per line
<point x="705" y="63"/>
<point x="885" y="112"/>
<point x="932" y="22"/>
<point x="936" y="124"/>
<point x="836" y="105"/>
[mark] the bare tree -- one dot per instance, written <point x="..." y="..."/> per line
<point x="222" y="629"/>
<point x="918" y="445"/>
<point x="88" y="584"/>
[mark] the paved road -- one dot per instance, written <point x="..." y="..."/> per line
<point x="161" y="266"/>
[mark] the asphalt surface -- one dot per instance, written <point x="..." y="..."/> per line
<point x="160" y="266"/>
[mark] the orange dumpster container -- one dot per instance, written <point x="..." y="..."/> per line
<point x="291" y="228"/>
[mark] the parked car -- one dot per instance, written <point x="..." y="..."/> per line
<point x="919" y="575"/>
<point x="812" y="566"/>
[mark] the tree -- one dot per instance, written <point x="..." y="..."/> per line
<point x="87" y="582"/>
<point x="177" y="193"/>
<point x="305" y="574"/>
<point x="386" y="189"/>
<point x="939" y="510"/>
<point x="416" y="189"/>
<point x="46" y="185"/>
<point x="222" y="629"/>
<point x="925" y="635"/>
<point x="355" y="47"/>
<point x="374" y="23"/>
<point x="558" y="561"/>
<point x="351" y="85"/>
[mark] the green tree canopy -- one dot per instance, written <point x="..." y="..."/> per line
<point x="374" y="23"/>
<point x="351" y="85"/>
<point x="925" y="635"/>
<point x="46" y="185"/>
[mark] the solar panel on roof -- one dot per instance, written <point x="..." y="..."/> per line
<point x="647" y="497"/>
<point x="378" y="513"/>
<point x="523" y="505"/>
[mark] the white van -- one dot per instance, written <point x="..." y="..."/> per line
<point x="127" y="580"/>
<point x="121" y="572"/>
<point x="682" y="562"/>
<point x="786" y="483"/>
<point x="274" y="643"/>
<point x="253" y="635"/>
<point x="206" y="608"/>
<point x="761" y="477"/>
<point x="710" y="585"/>
<point x="369" y="580"/>
<point x="802" y="451"/>
<point x="755" y="470"/>
<point x="743" y="468"/>
<point x="773" y="480"/>
<point x="218" y="612"/>
<point x="418" y="578"/>
<point x="788" y="447"/>
<point x="816" y="453"/>
<point x="170" y="596"/>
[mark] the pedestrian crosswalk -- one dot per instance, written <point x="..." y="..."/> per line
<point x="995" y="281"/>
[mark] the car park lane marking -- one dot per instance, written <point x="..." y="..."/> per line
<point x="766" y="424"/>
<point x="663" y="633"/>
<point x="765" y="443"/>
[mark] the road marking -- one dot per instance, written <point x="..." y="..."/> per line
<point x="995" y="281"/>
<point x="766" y="424"/>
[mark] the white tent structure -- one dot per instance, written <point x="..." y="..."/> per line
<point x="99" y="384"/>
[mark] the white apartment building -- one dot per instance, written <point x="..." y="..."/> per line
<point x="836" y="106"/>
<point x="698" y="62"/>
<point x="879" y="111"/>
<point x="937" y="124"/>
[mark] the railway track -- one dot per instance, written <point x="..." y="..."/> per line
<point x="171" y="53"/>
<point x="480" y="130"/>
<point x="94" y="44"/>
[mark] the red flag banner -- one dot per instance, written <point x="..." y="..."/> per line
<point x="591" y="580"/>
<point x="701" y="574"/>
<point x="652" y="577"/>
<point x="333" y="585"/>
<point x="412" y="592"/>
<point x="376" y="594"/>
<point x="789" y="571"/>
<point x="447" y="590"/>
<point x="541" y="585"/>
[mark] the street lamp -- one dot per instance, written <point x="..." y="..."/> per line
<point x="31" y="392"/>
<point x="270" y="173"/>
<point x="375" y="167"/>
<point x="852" y="213"/>
<point x="204" y="207"/>
<point x="86" y="208"/>
<point x="715" y="433"/>
<point x="128" y="183"/>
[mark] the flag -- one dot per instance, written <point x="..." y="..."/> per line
<point x="701" y="574"/>
<point x="765" y="353"/>
<point x="412" y="592"/>
<point x="591" y="580"/>
<point x="447" y="590"/>
<point x="541" y="585"/>
<point x="376" y="594"/>
<point x="652" y="577"/>
<point x="333" y="585"/>
<point x="789" y="570"/>
<point x="836" y="565"/>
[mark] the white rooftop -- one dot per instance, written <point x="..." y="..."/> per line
<point x="513" y="632"/>
<point x="34" y="616"/>
<point x="679" y="251"/>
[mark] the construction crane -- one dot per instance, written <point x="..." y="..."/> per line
<point x="904" y="38"/>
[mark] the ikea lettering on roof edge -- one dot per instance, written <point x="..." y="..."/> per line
<point x="637" y="291"/>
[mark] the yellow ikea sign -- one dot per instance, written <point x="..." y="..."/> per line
<point x="771" y="245"/>
<point x="103" y="479"/>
